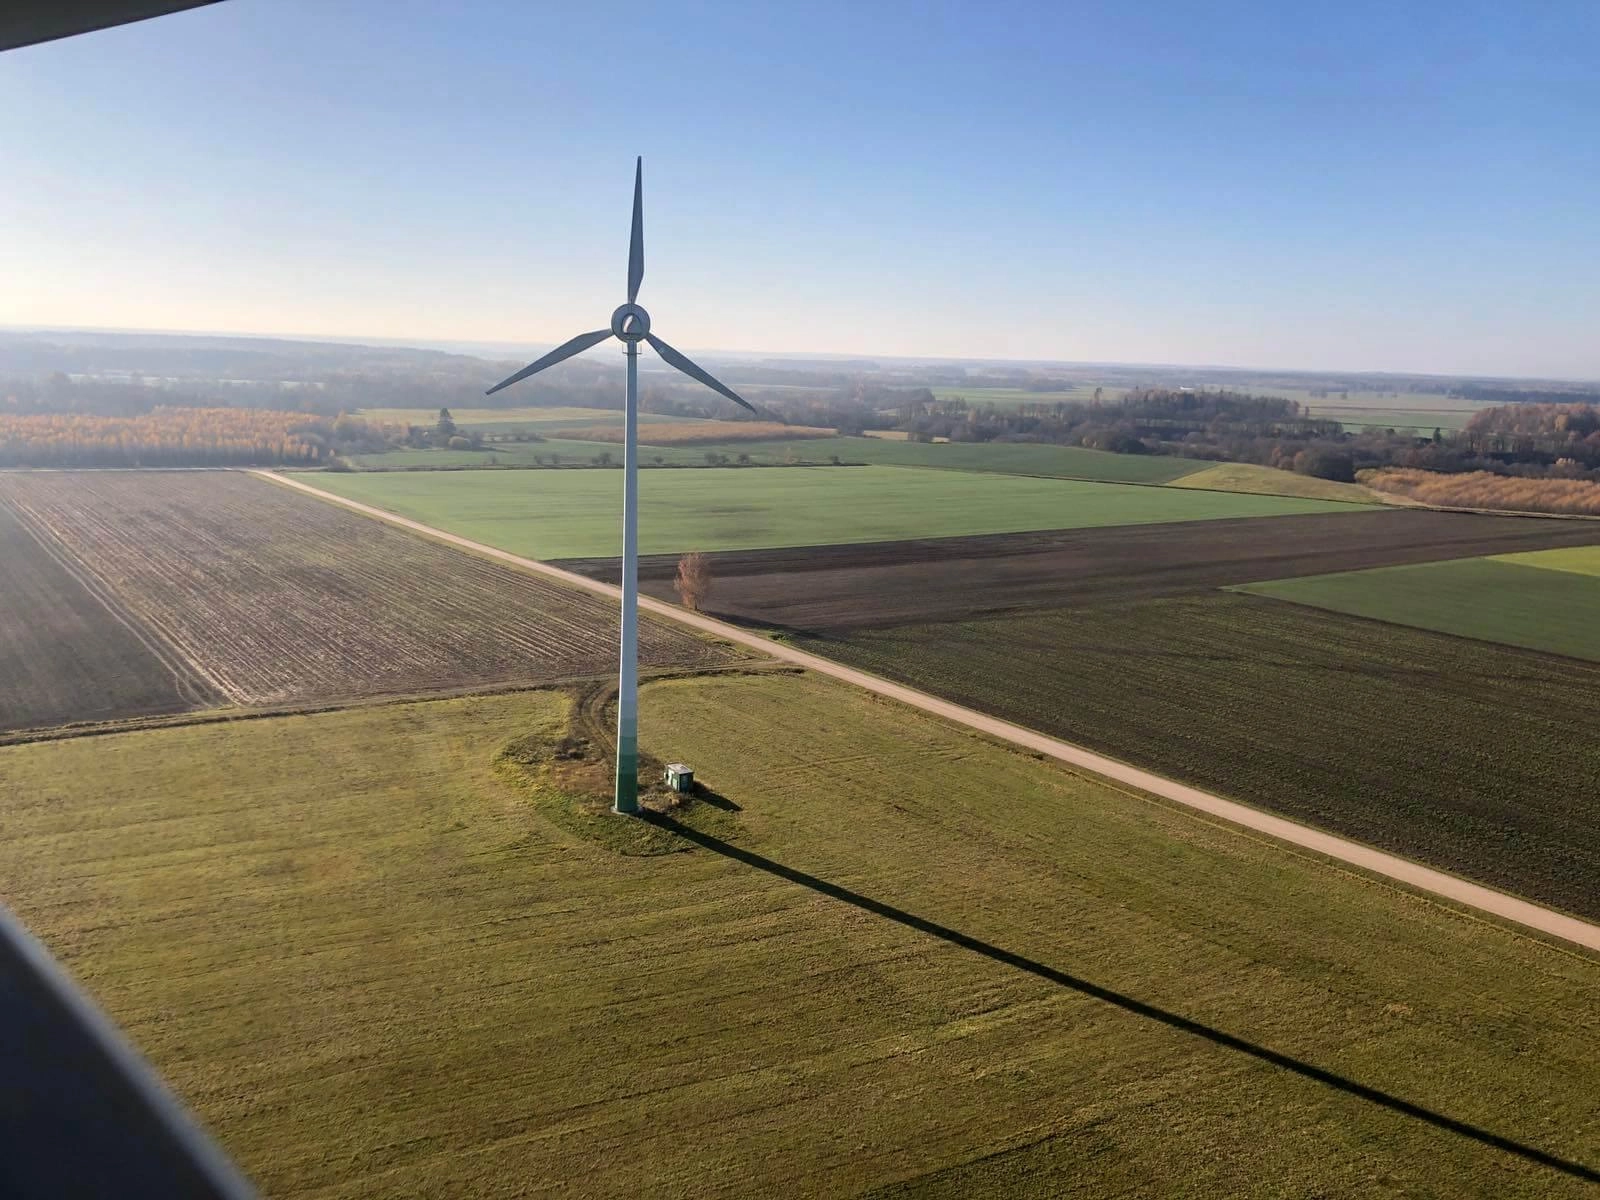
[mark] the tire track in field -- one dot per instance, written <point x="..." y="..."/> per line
<point x="1390" y="866"/>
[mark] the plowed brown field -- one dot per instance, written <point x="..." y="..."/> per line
<point x="818" y="588"/>
<point x="277" y="598"/>
<point x="69" y="654"/>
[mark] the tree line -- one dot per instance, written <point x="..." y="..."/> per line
<point x="180" y="437"/>
<point x="1530" y="440"/>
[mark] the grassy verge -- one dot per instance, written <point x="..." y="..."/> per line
<point x="1247" y="477"/>
<point x="931" y="965"/>
<point x="1579" y="560"/>
<point x="1475" y="758"/>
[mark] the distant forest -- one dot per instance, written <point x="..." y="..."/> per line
<point x="180" y="437"/>
<point x="310" y="388"/>
<point x="1533" y="440"/>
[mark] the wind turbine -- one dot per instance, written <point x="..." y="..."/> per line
<point x="631" y="324"/>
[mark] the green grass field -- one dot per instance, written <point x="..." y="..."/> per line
<point x="1492" y="599"/>
<point x="1247" y="477"/>
<point x="574" y="514"/>
<point x="1062" y="462"/>
<point x="1476" y="758"/>
<point x="1421" y="422"/>
<point x="1580" y="560"/>
<point x="1421" y="411"/>
<point x="1008" y="458"/>
<point x="940" y="968"/>
<point x="525" y="454"/>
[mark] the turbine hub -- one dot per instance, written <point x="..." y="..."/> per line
<point x="630" y="323"/>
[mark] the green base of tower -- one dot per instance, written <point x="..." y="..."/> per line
<point x="627" y="793"/>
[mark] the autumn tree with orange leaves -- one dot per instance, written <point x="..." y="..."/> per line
<point x="693" y="583"/>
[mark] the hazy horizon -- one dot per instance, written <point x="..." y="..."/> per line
<point x="512" y="349"/>
<point x="1360" y="191"/>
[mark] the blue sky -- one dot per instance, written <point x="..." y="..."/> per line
<point x="1385" y="186"/>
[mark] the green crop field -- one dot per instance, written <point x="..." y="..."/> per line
<point x="1419" y="421"/>
<point x="1007" y="458"/>
<point x="1425" y="411"/>
<point x="1581" y="560"/>
<point x="1495" y="600"/>
<point x="1476" y="758"/>
<point x="574" y="514"/>
<point x="925" y="965"/>
<point x="1004" y="458"/>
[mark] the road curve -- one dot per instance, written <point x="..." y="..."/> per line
<point x="1426" y="879"/>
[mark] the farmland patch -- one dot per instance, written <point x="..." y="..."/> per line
<point x="67" y="651"/>
<point x="275" y="597"/>
<point x="574" y="514"/>
<point x="1495" y="600"/>
<point x="1475" y="758"/>
<point x="372" y="967"/>
<point x="502" y="420"/>
<point x="1248" y="477"/>
<point x="839" y="587"/>
<point x="1000" y="458"/>
<point x="697" y="432"/>
<point x="1581" y="560"/>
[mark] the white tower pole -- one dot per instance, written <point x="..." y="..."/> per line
<point x="627" y="793"/>
<point x="631" y="324"/>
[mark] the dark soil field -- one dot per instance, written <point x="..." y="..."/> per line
<point x="276" y="598"/>
<point x="1476" y="758"/>
<point x="820" y="588"/>
<point x="68" y="655"/>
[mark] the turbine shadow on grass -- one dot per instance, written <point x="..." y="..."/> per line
<point x="715" y="799"/>
<point x="1128" y="1004"/>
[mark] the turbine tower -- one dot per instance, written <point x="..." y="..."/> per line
<point x="631" y="324"/>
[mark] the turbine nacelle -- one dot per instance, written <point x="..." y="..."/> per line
<point x="630" y="323"/>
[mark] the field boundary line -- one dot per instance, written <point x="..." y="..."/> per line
<point x="232" y="715"/>
<point x="1378" y="862"/>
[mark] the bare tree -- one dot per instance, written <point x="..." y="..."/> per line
<point x="694" y="580"/>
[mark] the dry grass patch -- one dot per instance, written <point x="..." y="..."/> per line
<point x="1484" y="489"/>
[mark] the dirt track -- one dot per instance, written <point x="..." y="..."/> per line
<point x="1460" y="891"/>
<point x="823" y="588"/>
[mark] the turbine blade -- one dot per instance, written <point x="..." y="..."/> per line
<point x="636" y="247"/>
<point x="673" y="359"/>
<point x="566" y="350"/>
